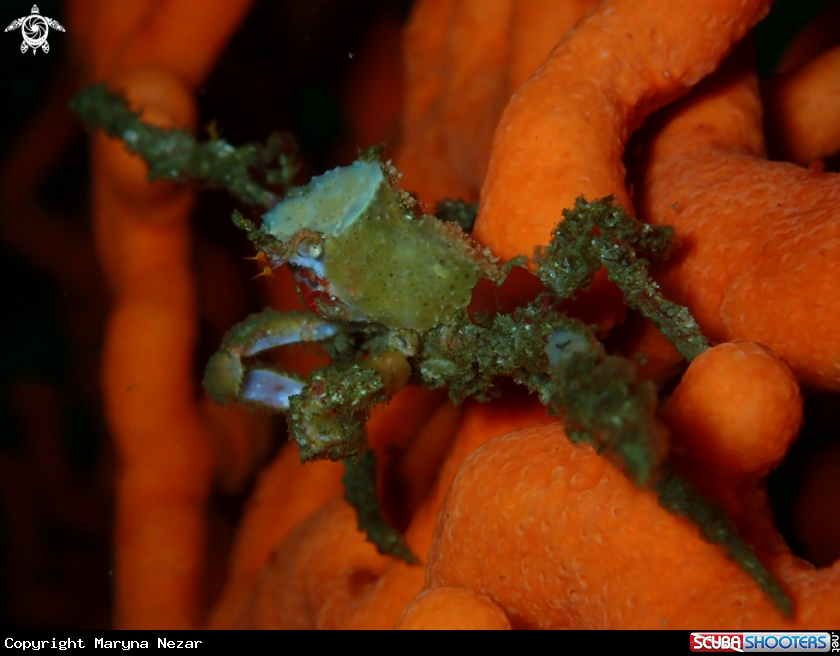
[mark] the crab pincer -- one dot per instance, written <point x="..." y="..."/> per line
<point x="230" y="378"/>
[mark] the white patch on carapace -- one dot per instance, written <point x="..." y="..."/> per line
<point x="329" y="203"/>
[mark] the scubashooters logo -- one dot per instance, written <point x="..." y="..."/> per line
<point x="798" y="642"/>
<point x="35" y="29"/>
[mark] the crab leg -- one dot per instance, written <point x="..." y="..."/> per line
<point x="228" y="378"/>
<point x="329" y="420"/>
<point x="329" y="416"/>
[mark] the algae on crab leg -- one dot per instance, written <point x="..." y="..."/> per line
<point x="360" y="492"/>
<point x="600" y="397"/>
<point x="679" y="497"/>
<point x="329" y="416"/>
<point x="175" y="154"/>
<point x="601" y="233"/>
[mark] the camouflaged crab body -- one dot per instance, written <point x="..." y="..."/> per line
<point x="373" y="270"/>
<point x="388" y="289"/>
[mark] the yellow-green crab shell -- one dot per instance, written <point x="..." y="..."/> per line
<point x="377" y="256"/>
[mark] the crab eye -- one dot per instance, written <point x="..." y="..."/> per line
<point x="404" y="342"/>
<point x="311" y="248"/>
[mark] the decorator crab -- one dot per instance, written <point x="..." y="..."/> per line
<point x="388" y="288"/>
<point x="378" y="277"/>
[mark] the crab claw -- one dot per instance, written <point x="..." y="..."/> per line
<point x="228" y="378"/>
<point x="269" y="388"/>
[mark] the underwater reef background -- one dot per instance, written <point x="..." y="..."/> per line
<point x="293" y="66"/>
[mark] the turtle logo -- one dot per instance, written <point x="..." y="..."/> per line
<point x="35" y="29"/>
